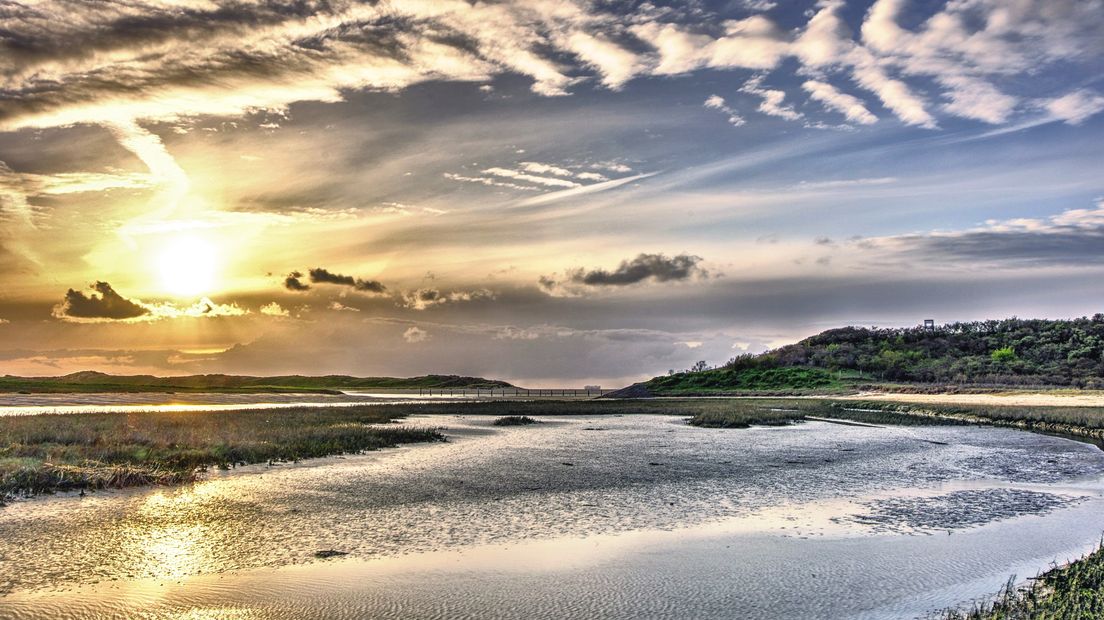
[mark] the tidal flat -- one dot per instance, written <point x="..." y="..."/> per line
<point x="624" y="514"/>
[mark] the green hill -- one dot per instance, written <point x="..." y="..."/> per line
<point x="89" y="381"/>
<point x="997" y="353"/>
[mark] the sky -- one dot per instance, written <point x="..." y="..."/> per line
<point x="551" y="192"/>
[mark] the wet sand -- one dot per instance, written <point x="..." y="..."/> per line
<point x="622" y="517"/>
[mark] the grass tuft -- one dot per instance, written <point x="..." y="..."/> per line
<point x="1075" y="590"/>
<point x="515" y="420"/>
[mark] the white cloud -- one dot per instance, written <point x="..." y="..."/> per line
<point x="274" y="309"/>
<point x="423" y="298"/>
<point x="530" y="178"/>
<point x="539" y="168"/>
<point x="337" y="306"/>
<point x="851" y="107"/>
<point x="515" y="333"/>
<point x="204" y="308"/>
<point x="1075" y="107"/>
<point x="751" y="43"/>
<point x="488" y="181"/>
<point x="826" y="39"/>
<point x="616" y="64"/>
<point x="894" y="94"/>
<point x="612" y="166"/>
<point x="977" y="99"/>
<point x="582" y="191"/>
<point x="591" y="176"/>
<point x="772" y="99"/>
<point x="415" y="335"/>
<point x="716" y="102"/>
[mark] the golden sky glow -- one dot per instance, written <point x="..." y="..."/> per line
<point x="549" y="190"/>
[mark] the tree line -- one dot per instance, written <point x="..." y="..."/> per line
<point x="999" y="352"/>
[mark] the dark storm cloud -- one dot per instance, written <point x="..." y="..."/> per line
<point x="107" y="305"/>
<point x="293" y="282"/>
<point x="656" y="267"/>
<point x="318" y="275"/>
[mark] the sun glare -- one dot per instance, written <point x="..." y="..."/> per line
<point x="187" y="266"/>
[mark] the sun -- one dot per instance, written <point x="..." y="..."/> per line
<point x="187" y="266"/>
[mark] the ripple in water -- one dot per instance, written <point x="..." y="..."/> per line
<point x="647" y="518"/>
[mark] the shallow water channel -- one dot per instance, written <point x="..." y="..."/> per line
<point x="578" y="517"/>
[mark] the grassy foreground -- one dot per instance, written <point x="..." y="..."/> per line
<point x="1074" y="591"/>
<point x="47" y="453"/>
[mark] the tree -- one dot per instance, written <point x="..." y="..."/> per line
<point x="1003" y="354"/>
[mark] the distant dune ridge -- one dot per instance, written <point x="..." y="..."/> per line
<point x="90" y="381"/>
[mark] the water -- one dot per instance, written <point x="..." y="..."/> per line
<point x="620" y="517"/>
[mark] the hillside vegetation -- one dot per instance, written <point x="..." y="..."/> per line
<point x="88" y="381"/>
<point x="1011" y="352"/>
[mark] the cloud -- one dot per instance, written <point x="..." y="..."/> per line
<point x="530" y="178"/>
<point x="582" y="190"/>
<point x="717" y="102"/>
<point x="204" y="308"/>
<point x="1075" y="107"/>
<point x="851" y="107"/>
<point x="509" y="332"/>
<point x="108" y="305"/>
<point x="772" y="99"/>
<point x="423" y="298"/>
<point x="318" y="275"/>
<point x="539" y="168"/>
<point x="133" y="62"/>
<point x="1071" y="238"/>
<point x="293" y="282"/>
<point x="415" y="335"/>
<point x="340" y="307"/>
<point x="274" y="309"/>
<point x="616" y="64"/>
<point x="654" y="267"/>
<point x="894" y="94"/>
<point x="488" y="181"/>
<point x="836" y="183"/>
<point x="977" y="99"/>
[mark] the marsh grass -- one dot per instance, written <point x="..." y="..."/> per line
<point x="514" y="420"/>
<point x="1073" y="591"/>
<point x="1085" y="422"/>
<point x="47" y="453"/>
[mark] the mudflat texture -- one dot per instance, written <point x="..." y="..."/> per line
<point x="842" y="497"/>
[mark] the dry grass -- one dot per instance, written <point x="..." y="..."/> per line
<point x="46" y="453"/>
